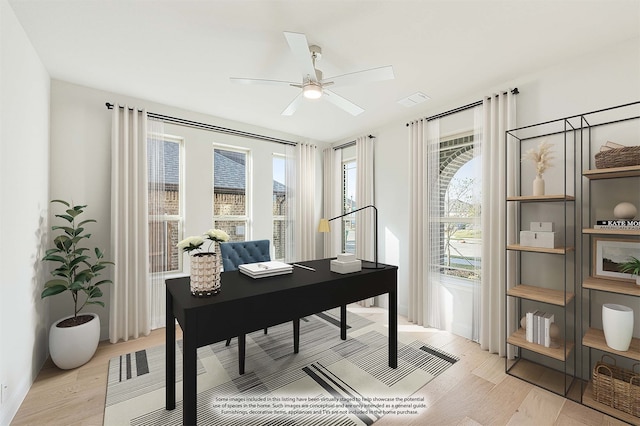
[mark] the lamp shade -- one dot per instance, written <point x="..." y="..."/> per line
<point x="323" y="226"/>
<point x="312" y="91"/>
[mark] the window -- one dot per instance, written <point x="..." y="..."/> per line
<point x="348" y="205"/>
<point x="460" y="182"/>
<point x="164" y="157"/>
<point x="230" y="192"/>
<point x="279" y="207"/>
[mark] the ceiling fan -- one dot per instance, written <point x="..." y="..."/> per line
<point x="313" y="85"/>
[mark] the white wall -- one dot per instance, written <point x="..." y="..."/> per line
<point x="80" y="166"/>
<point x="24" y="173"/>
<point x="598" y="80"/>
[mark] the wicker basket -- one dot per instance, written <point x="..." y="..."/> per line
<point x="618" y="157"/>
<point x="617" y="387"/>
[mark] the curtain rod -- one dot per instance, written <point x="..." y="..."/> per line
<point x="351" y="143"/>
<point x="209" y="127"/>
<point x="462" y="108"/>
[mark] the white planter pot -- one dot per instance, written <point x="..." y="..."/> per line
<point x="72" y="347"/>
<point x="538" y="186"/>
<point x="617" y="323"/>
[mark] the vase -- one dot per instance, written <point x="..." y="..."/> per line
<point x="617" y="323"/>
<point x="538" y="186"/>
<point x="205" y="274"/>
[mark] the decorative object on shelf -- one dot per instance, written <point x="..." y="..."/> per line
<point x="632" y="266"/>
<point x="617" y="324"/>
<point x="73" y="340"/>
<point x="616" y="387"/>
<point x="625" y="210"/>
<point x="609" y="254"/>
<point x="620" y="156"/>
<point x="542" y="159"/>
<point x="205" y="266"/>
<point x="620" y="224"/>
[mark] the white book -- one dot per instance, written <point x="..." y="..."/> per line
<point x="538" y="338"/>
<point x="548" y="320"/>
<point x="265" y="269"/>
<point x="529" y="327"/>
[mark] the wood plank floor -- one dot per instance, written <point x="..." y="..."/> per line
<point x="474" y="391"/>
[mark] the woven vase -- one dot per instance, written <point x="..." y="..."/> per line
<point x="205" y="274"/>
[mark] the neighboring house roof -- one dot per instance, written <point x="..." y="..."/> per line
<point x="229" y="168"/>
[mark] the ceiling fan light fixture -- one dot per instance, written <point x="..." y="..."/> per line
<point x="312" y="91"/>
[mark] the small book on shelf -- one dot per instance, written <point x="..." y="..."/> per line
<point x="621" y="224"/>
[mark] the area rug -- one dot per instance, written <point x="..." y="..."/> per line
<point x="329" y="382"/>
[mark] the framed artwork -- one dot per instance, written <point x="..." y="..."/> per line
<point x="610" y="253"/>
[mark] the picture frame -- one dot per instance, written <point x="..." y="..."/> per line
<point x="608" y="253"/>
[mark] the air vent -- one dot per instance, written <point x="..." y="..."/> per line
<point x="415" y="99"/>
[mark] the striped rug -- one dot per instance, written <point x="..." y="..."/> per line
<point x="329" y="382"/>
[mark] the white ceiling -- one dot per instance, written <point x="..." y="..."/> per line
<point x="182" y="53"/>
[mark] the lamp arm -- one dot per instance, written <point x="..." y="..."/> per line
<point x="356" y="210"/>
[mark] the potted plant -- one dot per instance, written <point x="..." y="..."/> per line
<point x="73" y="340"/>
<point x="631" y="266"/>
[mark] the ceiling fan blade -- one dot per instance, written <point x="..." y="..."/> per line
<point x="261" y="81"/>
<point x="343" y="103"/>
<point x="300" y="48"/>
<point x="359" y="77"/>
<point x="293" y="106"/>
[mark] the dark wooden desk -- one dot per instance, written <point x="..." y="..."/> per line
<point x="246" y="304"/>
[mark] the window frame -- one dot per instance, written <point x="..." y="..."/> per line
<point x="180" y="217"/>
<point x="247" y="217"/>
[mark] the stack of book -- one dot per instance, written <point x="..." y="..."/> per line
<point x="538" y="328"/>
<point x="265" y="269"/>
<point x="620" y="224"/>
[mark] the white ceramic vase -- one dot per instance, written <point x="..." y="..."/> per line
<point x="71" y="347"/>
<point x="538" y="186"/>
<point x="617" y="323"/>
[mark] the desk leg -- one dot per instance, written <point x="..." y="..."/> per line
<point x="170" y="355"/>
<point x="343" y="322"/>
<point x="296" y="335"/>
<point x="189" y="380"/>
<point x="242" y="349"/>
<point x="393" y="329"/>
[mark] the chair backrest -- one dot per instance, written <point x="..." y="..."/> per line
<point x="241" y="252"/>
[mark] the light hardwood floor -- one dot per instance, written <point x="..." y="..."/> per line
<point x="474" y="391"/>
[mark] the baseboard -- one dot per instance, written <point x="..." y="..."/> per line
<point x="9" y="408"/>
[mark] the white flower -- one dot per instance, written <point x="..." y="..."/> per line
<point x="217" y="235"/>
<point x="190" y="243"/>
<point x="541" y="157"/>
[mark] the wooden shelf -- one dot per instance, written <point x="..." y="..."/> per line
<point x="611" y="173"/>
<point x="588" y="400"/>
<point x="545" y="295"/>
<point x="557" y="250"/>
<point x="546" y="377"/>
<point x="561" y="354"/>
<point x="611" y="231"/>
<point x="594" y="338"/>
<point x="541" y="198"/>
<point x="629" y="288"/>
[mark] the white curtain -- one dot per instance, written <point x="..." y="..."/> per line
<point x="365" y="232"/>
<point x="417" y="294"/>
<point x="300" y="177"/>
<point x="129" y="308"/>
<point x="331" y="190"/>
<point x="424" y="224"/>
<point x="159" y="229"/>
<point x="498" y="181"/>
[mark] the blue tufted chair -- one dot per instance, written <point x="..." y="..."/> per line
<point x="241" y="252"/>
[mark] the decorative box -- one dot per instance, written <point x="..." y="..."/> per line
<point x="541" y="226"/>
<point x="346" y="263"/>
<point x="539" y="239"/>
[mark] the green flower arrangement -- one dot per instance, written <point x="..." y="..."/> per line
<point x="631" y="266"/>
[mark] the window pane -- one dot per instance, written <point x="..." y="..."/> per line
<point x="229" y="183"/>
<point x="163" y="238"/>
<point x="235" y="228"/>
<point x="279" y="207"/>
<point x="163" y="158"/>
<point x="348" y="205"/>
